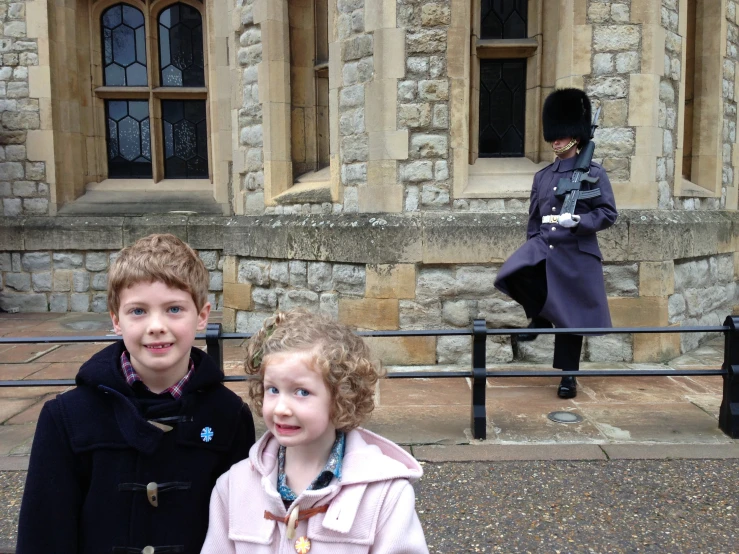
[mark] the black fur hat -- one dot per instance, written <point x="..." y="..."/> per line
<point x="567" y="114"/>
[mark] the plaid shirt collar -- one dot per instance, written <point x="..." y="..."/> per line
<point x="131" y="377"/>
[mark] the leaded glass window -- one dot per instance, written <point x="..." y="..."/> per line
<point x="185" y="142"/>
<point x="132" y="102"/>
<point x="124" y="46"/>
<point x="503" y="19"/>
<point x="128" y="134"/>
<point x="181" y="47"/>
<point x="502" y="108"/>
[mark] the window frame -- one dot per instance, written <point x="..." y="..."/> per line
<point x="502" y="177"/>
<point x="705" y="179"/>
<point x="154" y="93"/>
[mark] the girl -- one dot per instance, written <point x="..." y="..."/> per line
<point x="315" y="481"/>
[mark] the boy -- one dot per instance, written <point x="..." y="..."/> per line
<point x="126" y="461"/>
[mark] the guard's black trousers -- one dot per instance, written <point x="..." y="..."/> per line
<point x="528" y="287"/>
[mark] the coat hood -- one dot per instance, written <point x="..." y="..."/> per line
<point x="368" y="458"/>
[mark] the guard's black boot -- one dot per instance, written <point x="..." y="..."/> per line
<point x="536" y="323"/>
<point x="567" y="387"/>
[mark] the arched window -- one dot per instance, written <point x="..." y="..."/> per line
<point x="155" y="106"/>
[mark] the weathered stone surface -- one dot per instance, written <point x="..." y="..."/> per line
<point x="420" y="315"/>
<point x="608" y="87"/>
<point x="279" y="273"/>
<point x="24" y="302"/>
<point x="616" y="37"/>
<point x="433" y="14"/>
<point x="414" y="115"/>
<point x="96" y="261"/>
<point x="349" y="279"/>
<point x="20" y="282"/>
<point x="501" y="312"/>
<point x="80" y="281"/>
<point x="62" y="281"/>
<point x="614" y="142"/>
<point x="320" y="276"/>
<point x="433" y="90"/>
<point x="339" y="238"/>
<point x="298" y="273"/>
<point x="58" y="303"/>
<point x="329" y="304"/>
<point x="42" y="281"/>
<point x="458" y="313"/>
<point x="264" y="299"/>
<point x="66" y="260"/>
<point x="299" y="299"/>
<point x="357" y="47"/>
<point x="99" y="304"/>
<point x="209" y="258"/>
<point x="254" y="271"/>
<point x="609" y="348"/>
<point x="79" y="302"/>
<point x="417" y="171"/>
<point x="429" y="146"/>
<point x="621" y="280"/>
<point x="72" y="233"/>
<point x="426" y="41"/>
<point x="36" y="261"/>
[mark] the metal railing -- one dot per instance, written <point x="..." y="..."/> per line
<point x="478" y="374"/>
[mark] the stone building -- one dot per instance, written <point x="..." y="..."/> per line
<point x="368" y="158"/>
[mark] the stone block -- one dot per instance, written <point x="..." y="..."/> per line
<point x="36" y="261"/>
<point x="429" y="146"/>
<point x="20" y="282"/>
<point x="643" y="311"/>
<point x="79" y="302"/>
<point x="389" y="53"/>
<point x="228" y="320"/>
<point x="71" y="233"/>
<point x="42" y="281"/>
<point x="299" y="299"/>
<point x="26" y="303"/>
<point x="389" y="145"/>
<point x="391" y="281"/>
<point x="67" y="260"/>
<point x="320" y="276"/>
<point x="369" y="313"/>
<point x="380" y="199"/>
<point x="349" y="279"/>
<point x="62" y="280"/>
<point x="656" y="347"/>
<point x="381" y="105"/>
<point x="99" y="281"/>
<point x="643" y="99"/>
<point x="636" y="195"/>
<point x="380" y="14"/>
<point x="656" y="278"/>
<point x="403" y="350"/>
<point x="58" y="303"/>
<point x="621" y="280"/>
<point x="653" y="49"/>
<point x="99" y="304"/>
<point x="237" y="296"/>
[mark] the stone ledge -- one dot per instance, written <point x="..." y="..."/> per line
<point x="429" y="238"/>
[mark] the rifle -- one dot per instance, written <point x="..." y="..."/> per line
<point x="570" y="188"/>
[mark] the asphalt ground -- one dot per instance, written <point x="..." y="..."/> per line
<point x="594" y="507"/>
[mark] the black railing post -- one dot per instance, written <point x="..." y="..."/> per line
<point x="214" y="343"/>
<point x="728" y="418"/>
<point x="479" y="420"/>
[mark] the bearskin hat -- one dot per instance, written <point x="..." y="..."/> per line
<point x="567" y="114"/>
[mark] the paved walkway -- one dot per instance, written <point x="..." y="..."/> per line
<point x="622" y="417"/>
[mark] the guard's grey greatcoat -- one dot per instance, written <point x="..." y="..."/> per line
<point x="576" y="291"/>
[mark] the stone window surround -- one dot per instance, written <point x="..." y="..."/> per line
<point x="705" y="179"/>
<point x="275" y="95"/>
<point x="549" y="64"/>
<point x="72" y="126"/>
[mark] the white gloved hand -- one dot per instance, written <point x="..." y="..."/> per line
<point x="568" y="220"/>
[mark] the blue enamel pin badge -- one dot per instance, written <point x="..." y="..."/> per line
<point x="206" y="434"/>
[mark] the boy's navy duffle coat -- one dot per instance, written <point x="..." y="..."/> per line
<point x="95" y="452"/>
<point x="576" y="290"/>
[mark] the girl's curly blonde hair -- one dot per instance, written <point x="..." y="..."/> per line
<point x="339" y="355"/>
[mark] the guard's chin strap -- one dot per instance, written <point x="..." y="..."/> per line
<point x="564" y="148"/>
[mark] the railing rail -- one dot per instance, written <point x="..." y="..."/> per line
<point x="478" y="373"/>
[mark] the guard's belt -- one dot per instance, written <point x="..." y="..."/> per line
<point x="550" y="219"/>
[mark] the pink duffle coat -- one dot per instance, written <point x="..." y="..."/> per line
<point x="371" y="510"/>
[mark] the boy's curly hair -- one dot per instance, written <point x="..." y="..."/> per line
<point x="158" y="257"/>
<point x="339" y="355"/>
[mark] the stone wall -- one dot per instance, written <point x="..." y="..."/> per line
<point x="70" y="281"/>
<point x="23" y="186"/>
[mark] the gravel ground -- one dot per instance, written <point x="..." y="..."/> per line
<point x="671" y="506"/>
